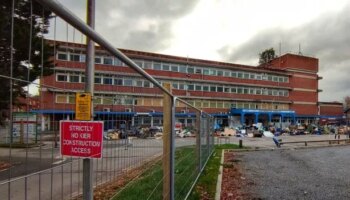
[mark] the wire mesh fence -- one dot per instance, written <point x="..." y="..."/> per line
<point x="40" y="90"/>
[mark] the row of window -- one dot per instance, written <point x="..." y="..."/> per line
<point x="143" y="101"/>
<point x="111" y="80"/>
<point x="146" y="64"/>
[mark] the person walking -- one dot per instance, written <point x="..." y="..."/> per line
<point x="336" y="134"/>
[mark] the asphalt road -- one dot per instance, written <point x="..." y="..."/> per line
<point x="40" y="173"/>
<point x="311" y="173"/>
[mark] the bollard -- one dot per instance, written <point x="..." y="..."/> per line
<point x="240" y="144"/>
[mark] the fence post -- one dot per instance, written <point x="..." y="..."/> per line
<point x="168" y="144"/>
<point x="88" y="190"/>
<point x="208" y="135"/>
<point x="21" y="132"/>
<point x="198" y="140"/>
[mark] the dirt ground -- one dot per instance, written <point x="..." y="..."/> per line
<point x="234" y="183"/>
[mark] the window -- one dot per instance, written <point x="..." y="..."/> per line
<point x="74" y="57"/>
<point x="62" y="77"/>
<point x="245" y="90"/>
<point x="175" y="85"/>
<point x="233" y="90"/>
<point x="227" y="89"/>
<point x="147" y="84"/>
<point x="269" y="77"/>
<point x="138" y="62"/>
<point x="252" y="76"/>
<point x="190" y="70"/>
<point x="275" y="93"/>
<point x="246" y="75"/>
<point x="280" y="93"/>
<point x="206" y="71"/>
<point x="129" y="101"/>
<point x="97" y="80"/>
<point x="258" y="77"/>
<point x="251" y="91"/>
<point x="220" y="73"/>
<point x="227" y="73"/>
<point x="190" y="87"/>
<point x="205" y="88"/>
<point x="198" y="71"/>
<point x="239" y="90"/>
<point x="74" y="78"/>
<point x="118" y="81"/>
<point x="157" y="66"/>
<point x="212" y="88"/>
<point x="62" y="56"/>
<point x="107" y="81"/>
<point x="234" y="74"/>
<point x="219" y="104"/>
<point x="286" y="93"/>
<point x="118" y="62"/>
<point x="269" y="92"/>
<point x="198" y="104"/>
<point x="108" y="61"/>
<point x="98" y="60"/>
<point x="212" y="104"/>
<point x="205" y="104"/>
<point x="82" y="58"/>
<point x="264" y="91"/>
<point x="61" y="99"/>
<point x="183" y="69"/>
<point x="239" y="74"/>
<point x="97" y="100"/>
<point x="181" y="86"/>
<point x="275" y="78"/>
<point x="280" y="79"/>
<point x="147" y="120"/>
<point x="128" y="82"/>
<point x="258" y="91"/>
<point x="138" y="83"/>
<point x="212" y="72"/>
<point x="174" y="68"/>
<point x="166" y="67"/>
<point x="147" y="65"/>
<point x="285" y="79"/>
<point x="71" y="98"/>
<point x="83" y="79"/>
<point x="220" y="89"/>
<point x="198" y="87"/>
<point x="108" y="101"/>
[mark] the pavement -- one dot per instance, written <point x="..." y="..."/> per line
<point x="267" y="143"/>
<point x="317" y="171"/>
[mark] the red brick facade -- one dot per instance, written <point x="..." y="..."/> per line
<point x="296" y="84"/>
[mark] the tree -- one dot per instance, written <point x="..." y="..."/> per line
<point x="266" y="56"/>
<point x="346" y="102"/>
<point x="23" y="68"/>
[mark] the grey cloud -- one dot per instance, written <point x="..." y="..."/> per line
<point x="326" y="38"/>
<point x="125" y="31"/>
<point x="130" y="24"/>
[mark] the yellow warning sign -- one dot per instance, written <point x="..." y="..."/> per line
<point x="83" y="106"/>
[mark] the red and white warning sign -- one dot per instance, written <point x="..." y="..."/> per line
<point x="81" y="138"/>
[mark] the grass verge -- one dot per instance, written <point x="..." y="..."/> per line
<point x="149" y="185"/>
<point x="206" y="185"/>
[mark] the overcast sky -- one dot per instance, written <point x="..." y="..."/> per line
<point x="229" y="31"/>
